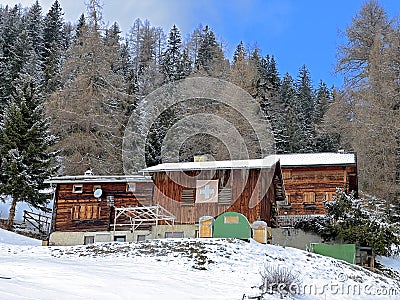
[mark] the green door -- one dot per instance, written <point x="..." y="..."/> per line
<point x="232" y="225"/>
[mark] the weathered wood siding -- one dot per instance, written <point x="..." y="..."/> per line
<point x="304" y="183"/>
<point x="252" y="194"/>
<point x="67" y="218"/>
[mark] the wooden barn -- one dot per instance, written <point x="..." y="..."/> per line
<point x="191" y="190"/>
<point x="312" y="178"/>
<point x="90" y="208"/>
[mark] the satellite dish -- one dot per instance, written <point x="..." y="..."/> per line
<point x="98" y="193"/>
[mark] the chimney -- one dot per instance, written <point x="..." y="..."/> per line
<point x="203" y="157"/>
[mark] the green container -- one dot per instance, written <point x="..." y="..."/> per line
<point x="346" y="252"/>
<point x="232" y="225"/>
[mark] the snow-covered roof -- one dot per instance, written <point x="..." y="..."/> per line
<point x="317" y="159"/>
<point x="98" y="179"/>
<point x="262" y="163"/>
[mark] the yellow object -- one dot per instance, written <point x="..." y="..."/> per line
<point x="261" y="233"/>
<point x="206" y="227"/>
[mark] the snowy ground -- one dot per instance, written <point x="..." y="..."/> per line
<point x="173" y="269"/>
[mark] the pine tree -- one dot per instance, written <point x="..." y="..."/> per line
<point x="291" y="142"/>
<point x="172" y="57"/>
<point x="272" y="73"/>
<point x="186" y="64"/>
<point x="54" y="47"/>
<point x="322" y="102"/>
<point x="305" y="99"/>
<point x="33" y="20"/>
<point x="24" y="142"/>
<point x="10" y="64"/>
<point x="207" y="49"/>
<point x="326" y="139"/>
<point x="266" y="89"/>
<point x="240" y="53"/>
<point x="210" y="57"/>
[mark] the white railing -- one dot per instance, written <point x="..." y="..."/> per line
<point x="141" y="216"/>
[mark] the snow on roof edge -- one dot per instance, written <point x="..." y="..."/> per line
<point x="317" y="159"/>
<point x="266" y="162"/>
<point x="93" y="178"/>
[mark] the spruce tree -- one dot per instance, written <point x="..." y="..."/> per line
<point x="291" y="131"/>
<point x="206" y="52"/>
<point x="33" y="20"/>
<point x="305" y="99"/>
<point x="80" y="28"/>
<point x="210" y="57"/>
<point x="10" y="63"/>
<point x="24" y="142"/>
<point x="323" y="99"/>
<point x="54" y="47"/>
<point x="172" y="57"/>
<point x="240" y="53"/>
<point x="326" y="139"/>
<point x="186" y="64"/>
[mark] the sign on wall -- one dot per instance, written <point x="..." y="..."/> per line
<point x="206" y="191"/>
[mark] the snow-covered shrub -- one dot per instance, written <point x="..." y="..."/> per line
<point x="348" y="220"/>
<point x="279" y="279"/>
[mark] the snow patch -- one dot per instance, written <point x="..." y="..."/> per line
<point x="12" y="238"/>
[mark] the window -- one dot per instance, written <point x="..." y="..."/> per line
<point x="231" y="219"/>
<point x="329" y="196"/>
<point x="85" y="212"/>
<point x="178" y="234"/>
<point x="110" y="200"/>
<point x="225" y="196"/>
<point x="88" y="240"/>
<point x="120" y="238"/>
<point x="286" y="174"/>
<point x="131" y="187"/>
<point x="141" y="238"/>
<point x="77" y="188"/>
<point x="309" y="198"/>
<point x="187" y="197"/>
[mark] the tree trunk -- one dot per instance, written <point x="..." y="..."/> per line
<point x="10" y="222"/>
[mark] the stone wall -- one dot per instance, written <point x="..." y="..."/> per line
<point x="60" y="238"/>
<point x="296" y="238"/>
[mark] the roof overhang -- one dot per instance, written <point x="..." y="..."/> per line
<point x="265" y="163"/>
<point x="317" y="159"/>
<point x="97" y="179"/>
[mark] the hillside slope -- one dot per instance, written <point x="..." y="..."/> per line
<point x="174" y="269"/>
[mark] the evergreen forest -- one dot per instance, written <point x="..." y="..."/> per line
<point x="67" y="91"/>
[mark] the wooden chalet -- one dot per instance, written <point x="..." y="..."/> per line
<point x="312" y="178"/>
<point x="169" y="199"/>
<point x="86" y="207"/>
<point x="191" y="190"/>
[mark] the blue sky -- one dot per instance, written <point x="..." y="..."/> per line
<point x="295" y="32"/>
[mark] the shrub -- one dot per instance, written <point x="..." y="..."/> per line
<point x="346" y="219"/>
<point x="279" y="279"/>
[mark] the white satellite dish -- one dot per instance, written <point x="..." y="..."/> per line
<point x="98" y="193"/>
